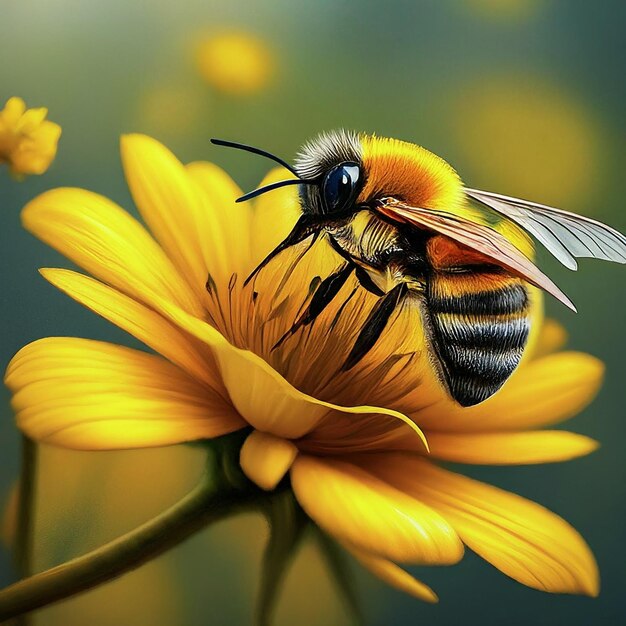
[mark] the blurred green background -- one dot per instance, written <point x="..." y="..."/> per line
<point x="524" y="97"/>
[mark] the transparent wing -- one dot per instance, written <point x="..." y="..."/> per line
<point x="477" y="237"/>
<point x="566" y="235"/>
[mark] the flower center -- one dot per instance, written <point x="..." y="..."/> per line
<point x="260" y="317"/>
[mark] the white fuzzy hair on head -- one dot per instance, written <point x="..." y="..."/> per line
<point x="326" y="150"/>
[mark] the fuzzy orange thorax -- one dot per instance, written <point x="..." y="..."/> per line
<point x="409" y="173"/>
<point x="418" y="177"/>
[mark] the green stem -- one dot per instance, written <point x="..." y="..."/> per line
<point x="24" y="539"/>
<point x="287" y="524"/>
<point x="208" y="502"/>
<point x="25" y="531"/>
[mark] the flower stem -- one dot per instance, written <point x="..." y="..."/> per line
<point x="25" y="532"/>
<point x="26" y="508"/>
<point x="210" y="501"/>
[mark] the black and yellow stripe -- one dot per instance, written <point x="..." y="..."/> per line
<point x="479" y="325"/>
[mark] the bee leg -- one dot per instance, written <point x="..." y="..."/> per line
<point x="367" y="283"/>
<point x="322" y="297"/>
<point x="375" y="324"/>
<point x="303" y="229"/>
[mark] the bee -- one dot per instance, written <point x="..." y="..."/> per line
<point x="401" y="220"/>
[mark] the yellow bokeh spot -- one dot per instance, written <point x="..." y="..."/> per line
<point x="28" y="142"/>
<point x="235" y="63"/>
<point x="524" y="137"/>
<point x="505" y="9"/>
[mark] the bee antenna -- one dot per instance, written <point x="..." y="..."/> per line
<point x="242" y="146"/>
<point x="272" y="186"/>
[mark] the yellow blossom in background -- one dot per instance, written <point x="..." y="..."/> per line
<point x="28" y="142"/>
<point x="352" y="443"/>
<point x="235" y="63"/>
<point x="530" y="139"/>
<point x="505" y="9"/>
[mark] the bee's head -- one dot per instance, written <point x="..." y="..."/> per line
<point x="335" y="160"/>
<point x="356" y="169"/>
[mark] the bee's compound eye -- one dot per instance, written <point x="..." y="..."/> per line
<point x="340" y="186"/>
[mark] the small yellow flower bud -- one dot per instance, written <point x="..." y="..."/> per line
<point x="28" y="142"/>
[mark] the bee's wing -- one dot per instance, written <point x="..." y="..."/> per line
<point x="480" y="238"/>
<point x="566" y="235"/>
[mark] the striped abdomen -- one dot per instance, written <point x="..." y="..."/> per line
<point x="479" y="325"/>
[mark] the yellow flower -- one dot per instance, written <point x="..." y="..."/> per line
<point x="28" y="142"/>
<point x="357" y="464"/>
<point x="235" y="63"/>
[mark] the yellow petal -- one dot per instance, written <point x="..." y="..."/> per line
<point x="523" y="448"/>
<point x="181" y="216"/>
<point x="140" y="321"/>
<point x="337" y="435"/>
<point x="395" y="576"/>
<point x="522" y="539"/>
<point x="225" y="226"/>
<point x="35" y="151"/>
<point x="370" y="515"/>
<point x="544" y="391"/>
<point x="265" y="459"/>
<point x="102" y="238"/>
<point x="260" y="394"/>
<point x="552" y="337"/>
<point x="274" y="214"/>
<point x="32" y="119"/>
<point x="13" y="110"/>
<point x="219" y="187"/>
<point x="92" y="395"/>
